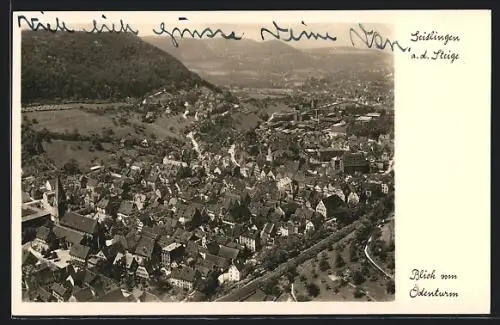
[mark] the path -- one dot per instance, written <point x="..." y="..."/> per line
<point x="367" y="254"/>
<point x="293" y="294"/>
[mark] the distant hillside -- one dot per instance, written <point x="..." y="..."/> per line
<point x="96" y="66"/>
<point x="245" y="54"/>
<point x="249" y="63"/>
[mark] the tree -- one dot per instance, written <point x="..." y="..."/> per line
<point x="271" y="287"/>
<point x="358" y="277"/>
<point x="292" y="273"/>
<point x="339" y="261"/>
<point x="313" y="289"/>
<point x="324" y="265"/>
<point x="358" y="293"/>
<point x="71" y="167"/>
<point x="353" y="253"/>
<point x="208" y="285"/>
<point x="390" y="287"/>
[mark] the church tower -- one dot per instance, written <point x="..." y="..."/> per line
<point x="60" y="204"/>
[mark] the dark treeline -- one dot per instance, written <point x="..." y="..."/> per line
<point x="64" y="66"/>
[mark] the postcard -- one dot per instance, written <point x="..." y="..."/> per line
<point x="251" y="162"/>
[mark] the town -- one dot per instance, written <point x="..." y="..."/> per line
<point x="249" y="197"/>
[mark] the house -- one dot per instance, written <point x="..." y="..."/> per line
<point x="79" y="253"/>
<point x="352" y="199"/>
<point x="328" y="206"/>
<point x="372" y="189"/>
<point x="102" y="206"/>
<point x="126" y="209"/>
<point x="250" y="239"/>
<point x="183" y="278"/>
<point x="79" y="223"/>
<point x="139" y="201"/>
<point x="171" y="252"/>
<point x="116" y="295"/>
<point x="283" y="230"/>
<point x="144" y="271"/>
<point x="61" y="292"/>
<point x="144" y="249"/>
<point x="228" y="252"/>
<point x="302" y="213"/>
<point x="236" y="272"/>
<point x="43" y="295"/>
<point x="129" y="261"/>
<point x="267" y="233"/>
<point x="327" y="154"/>
<point x="50" y="185"/>
<point x="217" y="262"/>
<point x="82" y="295"/>
<point x="67" y="237"/>
<point x="355" y="162"/>
<point x="385" y="188"/>
<point x="309" y="227"/>
<point x="189" y="215"/>
<point x="43" y="239"/>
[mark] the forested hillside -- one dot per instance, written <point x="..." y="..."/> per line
<point x="74" y="66"/>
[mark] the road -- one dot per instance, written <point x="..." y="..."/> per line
<point x="243" y="292"/>
<point x="293" y="293"/>
<point x="367" y="254"/>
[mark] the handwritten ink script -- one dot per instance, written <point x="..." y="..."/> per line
<point x="421" y="291"/>
<point x="359" y="36"/>
<point x="372" y="38"/>
<point x="291" y="36"/>
<point x="207" y="32"/>
<point x="441" y="53"/>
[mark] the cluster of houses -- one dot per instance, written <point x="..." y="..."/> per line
<point x="189" y="222"/>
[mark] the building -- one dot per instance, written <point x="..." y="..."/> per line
<point x="250" y="239"/>
<point x="327" y="206"/>
<point x="327" y="154"/>
<point x="79" y="223"/>
<point x="267" y="233"/>
<point x="355" y="162"/>
<point x="235" y="272"/>
<point x="126" y="209"/>
<point x="170" y="252"/>
<point x="144" y="249"/>
<point x="43" y="239"/>
<point x="183" y="278"/>
<point x="61" y="292"/>
<point x="79" y="253"/>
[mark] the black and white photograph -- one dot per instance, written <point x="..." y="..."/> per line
<point x="190" y="166"/>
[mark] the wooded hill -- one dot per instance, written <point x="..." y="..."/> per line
<point x="76" y="66"/>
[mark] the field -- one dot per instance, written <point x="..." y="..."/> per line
<point x="331" y="286"/>
<point x="86" y="123"/>
<point x="61" y="152"/>
<point x="68" y="106"/>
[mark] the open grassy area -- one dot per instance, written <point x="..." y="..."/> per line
<point x="60" y="121"/>
<point x="67" y="106"/>
<point x="86" y="123"/>
<point x="61" y="152"/>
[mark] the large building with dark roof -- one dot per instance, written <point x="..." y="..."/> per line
<point x="355" y="162"/>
